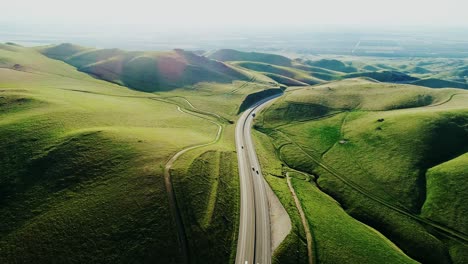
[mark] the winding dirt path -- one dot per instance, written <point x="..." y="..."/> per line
<point x="182" y="236"/>
<point x="303" y="219"/>
<point x="449" y="232"/>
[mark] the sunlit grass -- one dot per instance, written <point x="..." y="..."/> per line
<point x="382" y="138"/>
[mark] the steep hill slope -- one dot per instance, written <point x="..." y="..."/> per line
<point x="317" y="72"/>
<point x="352" y="94"/>
<point x="378" y="149"/>
<point x="81" y="166"/>
<point x="438" y="83"/>
<point x="146" y="71"/>
<point x="17" y="58"/>
<point x="334" y="65"/>
<point x="289" y="72"/>
<point x="235" y="55"/>
<point x="385" y="76"/>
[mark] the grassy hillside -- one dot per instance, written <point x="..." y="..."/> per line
<point x="82" y="159"/>
<point x="319" y="73"/>
<point x="337" y="238"/>
<point x="146" y="71"/>
<point x="384" y="76"/>
<point x="164" y="71"/>
<point x="284" y="80"/>
<point x="67" y="50"/>
<point x="337" y="234"/>
<point x="372" y="147"/>
<point x="442" y="179"/>
<point x="462" y="72"/>
<point x="235" y="55"/>
<point x="419" y="70"/>
<point x="332" y="64"/>
<point x="81" y="165"/>
<point x="18" y="58"/>
<point x="289" y="72"/>
<point x="429" y="72"/>
<point x="208" y="183"/>
<point x="352" y="94"/>
<point x="438" y="83"/>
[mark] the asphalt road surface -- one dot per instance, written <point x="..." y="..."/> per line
<point x="253" y="245"/>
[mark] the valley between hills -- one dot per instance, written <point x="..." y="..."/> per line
<point x="115" y="156"/>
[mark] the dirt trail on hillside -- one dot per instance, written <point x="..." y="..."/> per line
<point x="182" y="237"/>
<point x="304" y="221"/>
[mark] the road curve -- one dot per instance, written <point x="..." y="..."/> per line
<point x="253" y="245"/>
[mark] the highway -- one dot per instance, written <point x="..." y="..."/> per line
<point x="254" y="244"/>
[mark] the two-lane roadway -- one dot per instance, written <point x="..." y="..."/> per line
<point x="254" y="243"/>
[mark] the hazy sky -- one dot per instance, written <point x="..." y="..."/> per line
<point x="218" y="13"/>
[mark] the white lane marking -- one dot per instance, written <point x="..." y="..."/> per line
<point x="245" y="121"/>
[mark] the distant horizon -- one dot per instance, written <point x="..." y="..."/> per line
<point x="324" y="39"/>
<point x="179" y="14"/>
<point x="254" y="28"/>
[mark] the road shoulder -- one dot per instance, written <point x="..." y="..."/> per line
<point x="279" y="219"/>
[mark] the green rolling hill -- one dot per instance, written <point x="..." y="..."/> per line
<point x="287" y="72"/>
<point x="146" y="71"/>
<point x="82" y="162"/>
<point x="385" y="76"/>
<point x="462" y="72"/>
<point x="378" y="167"/>
<point x="380" y="149"/>
<point x="332" y="64"/>
<point x="419" y="70"/>
<point x="438" y="83"/>
<point x="235" y="55"/>
<point x="80" y="165"/>
<point x="317" y="72"/>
